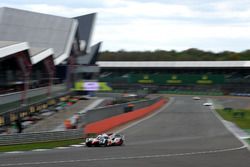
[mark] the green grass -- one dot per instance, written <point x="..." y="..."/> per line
<point x="43" y="145"/>
<point x="248" y="141"/>
<point x="242" y="122"/>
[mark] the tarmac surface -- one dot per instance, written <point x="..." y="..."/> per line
<point x="183" y="133"/>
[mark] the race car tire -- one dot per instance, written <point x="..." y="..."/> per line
<point x="120" y="143"/>
<point x="106" y="143"/>
<point x="88" y="144"/>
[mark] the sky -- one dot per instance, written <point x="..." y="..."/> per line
<point x="148" y="25"/>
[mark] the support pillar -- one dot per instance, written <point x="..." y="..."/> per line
<point x="25" y="65"/>
<point x="50" y="67"/>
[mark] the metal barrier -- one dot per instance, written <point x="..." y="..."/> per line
<point x="24" y="111"/>
<point x="12" y="97"/>
<point x="22" y="138"/>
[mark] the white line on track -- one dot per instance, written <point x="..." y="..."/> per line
<point x="61" y="148"/>
<point x="38" y="150"/>
<point x="14" y="152"/>
<point x="77" y="145"/>
<point x="126" y="158"/>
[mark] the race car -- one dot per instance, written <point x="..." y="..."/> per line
<point x="105" y="140"/>
<point x="196" y="98"/>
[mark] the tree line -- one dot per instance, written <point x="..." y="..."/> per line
<point x="191" y="54"/>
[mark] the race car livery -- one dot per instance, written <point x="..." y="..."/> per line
<point x="112" y="139"/>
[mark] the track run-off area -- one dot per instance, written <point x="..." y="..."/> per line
<point x="182" y="133"/>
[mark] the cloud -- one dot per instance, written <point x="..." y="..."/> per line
<point x="149" y="25"/>
<point x="145" y="34"/>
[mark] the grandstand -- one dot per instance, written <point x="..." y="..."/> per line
<point x="186" y="77"/>
<point x="40" y="58"/>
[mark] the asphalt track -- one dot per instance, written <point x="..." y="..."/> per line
<point x="184" y="133"/>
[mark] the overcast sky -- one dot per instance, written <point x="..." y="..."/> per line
<point x="212" y="25"/>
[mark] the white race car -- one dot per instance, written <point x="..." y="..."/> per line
<point x="112" y="139"/>
<point x="207" y="104"/>
<point x="196" y="98"/>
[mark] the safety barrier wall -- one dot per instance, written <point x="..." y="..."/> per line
<point x="12" y="97"/>
<point x="22" y="138"/>
<point x="109" y="111"/>
<point x="109" y="123"/>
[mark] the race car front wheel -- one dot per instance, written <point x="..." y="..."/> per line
<point x="88" y="144"/>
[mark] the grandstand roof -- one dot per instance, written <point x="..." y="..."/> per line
<point x="91" y="57"/>
<point x="9" y="47"/>
<point x="43" y="35"/>
<point x="173" y="64"/>
<point x="39" y="30"/>
<point x="86" y="24"/>
<point x="39" y="54"/>
<point x="7" y="43"/>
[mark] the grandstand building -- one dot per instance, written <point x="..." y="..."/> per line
<point x="39" y="53"/>
<point x="188" y="77"/>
